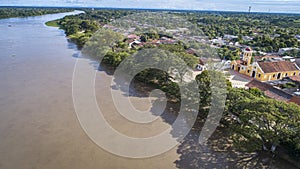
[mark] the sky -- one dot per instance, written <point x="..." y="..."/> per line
<point x="285" y="6"/>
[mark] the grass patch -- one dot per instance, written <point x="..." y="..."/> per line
<point x="53" y="23"/>
<point x="297" y="21"/>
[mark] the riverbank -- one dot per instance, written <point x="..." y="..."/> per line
<point x="53" y="23"/>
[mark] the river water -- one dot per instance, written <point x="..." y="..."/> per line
<point x="38" y="124"/>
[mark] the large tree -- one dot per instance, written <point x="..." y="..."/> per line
<point x="262" y="124"/>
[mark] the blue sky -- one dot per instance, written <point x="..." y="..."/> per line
<point x="289" y="6"/>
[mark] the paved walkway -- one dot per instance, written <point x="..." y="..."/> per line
<point x="238" y="80"/>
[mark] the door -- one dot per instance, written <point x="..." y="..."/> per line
<point x="279" y="75"/>
<point x="253" y="74"/>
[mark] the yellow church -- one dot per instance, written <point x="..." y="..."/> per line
<point x="265" y="69"/>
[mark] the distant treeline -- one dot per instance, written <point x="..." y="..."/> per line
<point x="24" y="12"/>
<point x="268" y="32"/>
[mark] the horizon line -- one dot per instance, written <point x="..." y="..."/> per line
<point x="160" y="9"/>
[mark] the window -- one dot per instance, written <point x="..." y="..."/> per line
<point x="248" y="71"/>
<point x="259" y="75"/>
<point x="294" y="73"/>
<point x="286" y="74"/>
<point x="274" y="76"/>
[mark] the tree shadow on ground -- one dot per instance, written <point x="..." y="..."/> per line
<point x="219" y="154"/>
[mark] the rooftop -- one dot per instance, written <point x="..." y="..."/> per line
<point x="260" y="85"/>
<point x="248" y="49"/>
<point x="269" y="90"/>
<point x="295" y="78"/>
<point x="297" y="62"/>
<point x="295" y="100"/>
<point x="280" y="66"/>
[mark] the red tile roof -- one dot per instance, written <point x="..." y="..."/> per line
<point x="281" y="66"/>
<point x="295" y="99"/>
<point x="133" y="36"/>
<point x="295" y="78"/>
<point x="248" y="49"/>
<point x="201" y="62"/>
<point x="269" y="90"/>
<point x="275" y="96"/>
<point x="260" y="85"/>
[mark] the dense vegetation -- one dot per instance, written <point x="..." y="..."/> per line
<point x="79" y="28"/>
<point x="24" y="12"/>
<point x="269" y="32"/>
<point x="163" y="55"/>
<point x="293" y="53"/>
<point x="257" y="123"/>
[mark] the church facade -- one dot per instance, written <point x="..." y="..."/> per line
<point x="265" y="69"/>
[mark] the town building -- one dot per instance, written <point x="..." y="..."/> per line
<point x="281" y="51"/>
<point x="266" y="69"/>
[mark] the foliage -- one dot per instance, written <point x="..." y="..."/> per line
<point x="288" y="85"/>
<point x="229" y="53"/>
<point x="53" y="23"/>
<point x="115" y="58"/>
<point x="179" y="50"/>
<point x="256" y="92"/>
<point x="207" y="81"/>
<point x="293" y="53"/>
<point x="258" y="123"/>
<point x="265" y="122"/>
<point x="269" y="31"/>
<point x="24" y="12"/>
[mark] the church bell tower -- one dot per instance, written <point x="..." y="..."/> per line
<point x="247" y="55"/>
